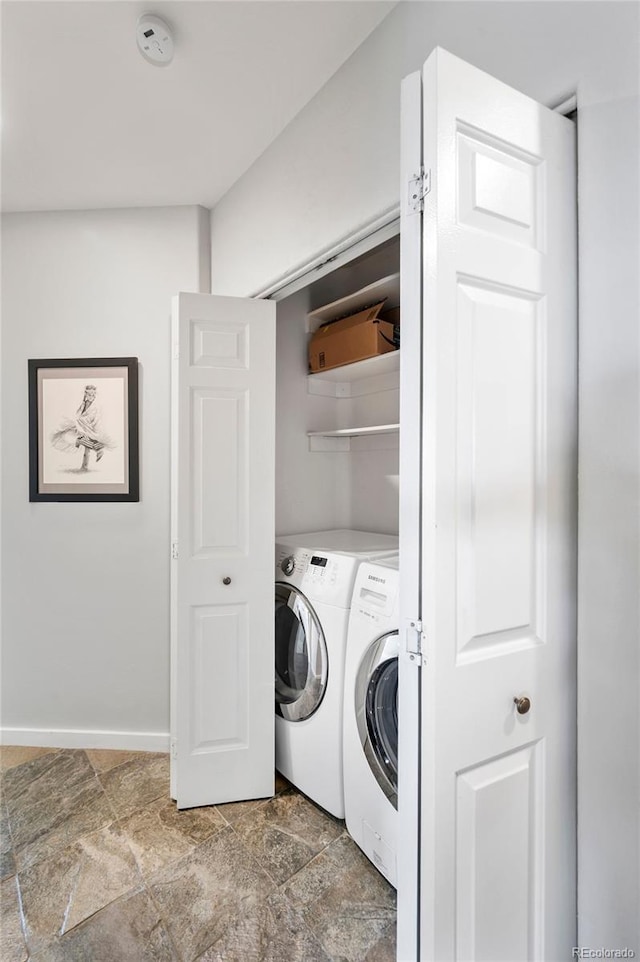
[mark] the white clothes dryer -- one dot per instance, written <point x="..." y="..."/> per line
<point x="371" y="715"/>
<point x="314" y="580"/>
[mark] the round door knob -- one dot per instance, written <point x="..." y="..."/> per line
<point x="523" y="704"/>
<point x="226" y="580"/>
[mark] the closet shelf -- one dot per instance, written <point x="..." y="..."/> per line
<point x="355" y="432"/>
<point x="370" y="367"/>
<point x="362" y="377"/>
<point x="386" y="289"/>
<point x="340" y="438"/>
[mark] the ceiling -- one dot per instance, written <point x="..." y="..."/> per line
<point x="87" y="123"/>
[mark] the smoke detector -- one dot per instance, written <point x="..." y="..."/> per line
<point x="155" y="41"/>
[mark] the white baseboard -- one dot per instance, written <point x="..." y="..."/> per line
<point x="77" y="738"/>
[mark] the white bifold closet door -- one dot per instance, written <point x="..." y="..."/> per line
<point x="222" y="627"/>
<point x="488" y="513"/>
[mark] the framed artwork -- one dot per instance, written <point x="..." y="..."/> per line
<point x="83" y="429"/>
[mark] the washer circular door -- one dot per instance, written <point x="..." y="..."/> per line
<point x="301" y="655"/>
<point x="376" y="705"/>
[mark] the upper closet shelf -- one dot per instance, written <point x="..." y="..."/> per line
<point x="362" y="377"/>
<point x="386" y="288"/>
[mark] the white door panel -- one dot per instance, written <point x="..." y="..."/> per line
<point x="498" y="406"/>
<point x="497" y="520"/>
<point x="493" y="920"/>
<point x="223" y="530"/>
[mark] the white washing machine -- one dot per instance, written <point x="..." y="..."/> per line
<point x="315" y="574"/>
<point x="371" y="715"/>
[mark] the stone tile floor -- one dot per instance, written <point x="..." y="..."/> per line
<point x="97" y="865"/>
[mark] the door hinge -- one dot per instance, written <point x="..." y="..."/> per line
<point x="174" y="550"/>
<point x="419" y="187"/>
<point x="174" y="748"/>
<point x="414" y="640"/>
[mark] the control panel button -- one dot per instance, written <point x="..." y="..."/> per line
<point x="288" y="565"/>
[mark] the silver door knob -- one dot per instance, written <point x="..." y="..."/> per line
<point x="226" y="580"/>
<point x="523" y="704"/>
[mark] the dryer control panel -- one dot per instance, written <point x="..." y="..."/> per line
<point x="322" y="575"/>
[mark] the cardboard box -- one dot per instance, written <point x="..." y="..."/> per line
<point x="392" y="314"/>
<point x="350" y="339"/>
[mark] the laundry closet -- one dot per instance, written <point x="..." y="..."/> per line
<point x="484" y="507"/>
<point x="337" y="514"/>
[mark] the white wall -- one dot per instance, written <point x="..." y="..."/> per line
<point x="85" y="618"/>
<point x="312" y="488"/>
<point x="336" y="167"/>
<point x="374" y="477"/>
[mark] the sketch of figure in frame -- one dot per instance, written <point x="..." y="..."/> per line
<point x="84" y="431"/>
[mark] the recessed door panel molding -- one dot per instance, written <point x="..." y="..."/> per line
<point x="500" y="433"/>
<point x="499" y="188"/>
<point x="220" y="441"/>
<point x="500" y="837"/>
<point x="220" y="669"/>
<point x="219" y="345"/>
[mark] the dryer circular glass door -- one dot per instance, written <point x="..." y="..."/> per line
<point x="301" y="655"/>
<point x="376" y="706"/>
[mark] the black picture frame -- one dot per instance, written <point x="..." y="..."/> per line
<point x="78" y="449"/>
